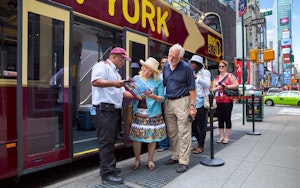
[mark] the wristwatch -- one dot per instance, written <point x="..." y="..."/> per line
<point x="192" y="105"/>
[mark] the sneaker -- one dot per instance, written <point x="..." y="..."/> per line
<point x="161" y="149"/>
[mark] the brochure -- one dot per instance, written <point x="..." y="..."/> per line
<point x="137" y="88"/>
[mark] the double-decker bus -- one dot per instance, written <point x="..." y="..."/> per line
<point x="38" y="38"/>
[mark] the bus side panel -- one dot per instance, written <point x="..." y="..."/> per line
<point x="8" y="132"/>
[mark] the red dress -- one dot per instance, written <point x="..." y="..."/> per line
<point x="220" y="96"/>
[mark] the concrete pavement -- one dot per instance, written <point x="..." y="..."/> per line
<point x="271" y="159"/>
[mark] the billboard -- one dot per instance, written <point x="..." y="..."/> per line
<point x="286" y="34"/>
<point x="286" y="43"/>
<point x="286" y="58"/>
<point x="284" y="21"/>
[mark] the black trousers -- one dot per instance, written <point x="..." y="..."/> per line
<point x="224" y="114"/>
<point x="106" y="123"/>
<point x="199" y="126"/>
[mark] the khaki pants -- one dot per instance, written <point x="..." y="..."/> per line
<point x="178" y="128"/>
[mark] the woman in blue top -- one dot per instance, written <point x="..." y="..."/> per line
<point x="148" y="124"/>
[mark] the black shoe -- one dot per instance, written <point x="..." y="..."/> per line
<point x="182" y="168"/>
<point x="170" y="162"/>
<point x="112" y="179"/>
<point x="117" y="170"/>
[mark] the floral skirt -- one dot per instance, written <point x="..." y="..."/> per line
<point x="146" y="129"/>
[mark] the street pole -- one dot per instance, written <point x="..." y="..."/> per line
<point x="243" y="69"/>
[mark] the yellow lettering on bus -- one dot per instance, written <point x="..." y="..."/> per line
<point x="111" y="7"/>
<point x="135" y="18"/>
<point x="162" y="21"/>
<point x="80" y="1"/>
<point x="148" y="15"/>
<point x="214" y="46"/>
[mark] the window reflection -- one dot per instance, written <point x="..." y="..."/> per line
<point x="45" y="100"/>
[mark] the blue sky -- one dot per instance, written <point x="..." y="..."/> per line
<point x="268" y="5"/>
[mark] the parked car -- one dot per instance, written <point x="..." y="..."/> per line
<point x="247" y="88"/>
<point x="284" y="98"/>
<point x="273" y="91"/>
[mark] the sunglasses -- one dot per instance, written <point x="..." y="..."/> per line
<point x="221" y="66"/>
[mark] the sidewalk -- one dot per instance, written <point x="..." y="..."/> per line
<point x="271" y="159"/>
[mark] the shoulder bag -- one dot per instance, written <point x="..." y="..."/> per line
<point x="207" y="104"/>
<point x="206" y="100"/>
<point x="232" y="92"/>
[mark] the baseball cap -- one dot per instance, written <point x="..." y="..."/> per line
<point x="120" y="51"/>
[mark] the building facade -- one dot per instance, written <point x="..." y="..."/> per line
<point x="227" y="14"/>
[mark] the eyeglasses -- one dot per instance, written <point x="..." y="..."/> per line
<point x="121" y="59"/>
<point x="221" y="66"/>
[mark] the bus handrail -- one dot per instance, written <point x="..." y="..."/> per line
<point x="108" y="49"/>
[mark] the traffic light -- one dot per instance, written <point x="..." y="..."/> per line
<point x="268" y="55"/>
<point x="253" y="55"/>
<point x="294" y="80"/>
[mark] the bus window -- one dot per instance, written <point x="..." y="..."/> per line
<point x="213" y="21"/>
<point x="8" y="47"/>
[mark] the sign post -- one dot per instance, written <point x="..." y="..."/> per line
<point x="242" y="9"/>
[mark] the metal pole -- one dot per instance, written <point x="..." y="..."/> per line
<point x="212" y="161"/>
<point x="243" y="69"/>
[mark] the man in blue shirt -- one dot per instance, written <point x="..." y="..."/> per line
<point x="179" y="106"/>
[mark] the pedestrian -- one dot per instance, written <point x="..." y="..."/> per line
<point x="148" y="124"/>
<point x="202" y="81"/>
<point x="107" y="97"/>
<point x="135" y="69"/>
<point x="224" y="81"/>
<point x="179" y="106"/>
<point x="164" y="144"/>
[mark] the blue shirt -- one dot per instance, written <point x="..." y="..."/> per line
<point x="154" y="107"/>
<point x="179" y="81"/>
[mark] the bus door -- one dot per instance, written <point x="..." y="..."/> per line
<point x="43" y="105"/>
<point x="137" y="47"/>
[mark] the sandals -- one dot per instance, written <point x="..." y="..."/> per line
<point x="136" y="165"/>
<point x="198" y="150"/>
<point x="151" y="165"/>
<point x="220" y="140"/>
<point x="226" y="141"/>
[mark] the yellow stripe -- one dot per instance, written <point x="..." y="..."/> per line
<point x="85" y="152"/>
<point x="91" y="150"/>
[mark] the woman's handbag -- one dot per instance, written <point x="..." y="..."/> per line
<point x="206" y="99"/>
<point x="232" y="92"/>
<point x="207" y="104"/>
<point x="129" y="113"/>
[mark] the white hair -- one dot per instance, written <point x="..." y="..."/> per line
<point x="178" y="47"/>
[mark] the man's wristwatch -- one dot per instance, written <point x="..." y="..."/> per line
<point x="193" y="105"/>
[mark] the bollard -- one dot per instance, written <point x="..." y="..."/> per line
<point x="211" y="161"/>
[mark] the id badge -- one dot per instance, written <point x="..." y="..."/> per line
<point x="92" y="111"/>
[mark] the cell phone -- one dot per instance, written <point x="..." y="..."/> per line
<point x="190" y="118"/>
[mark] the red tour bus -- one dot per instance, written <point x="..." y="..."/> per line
<point x="45" y="118"/>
